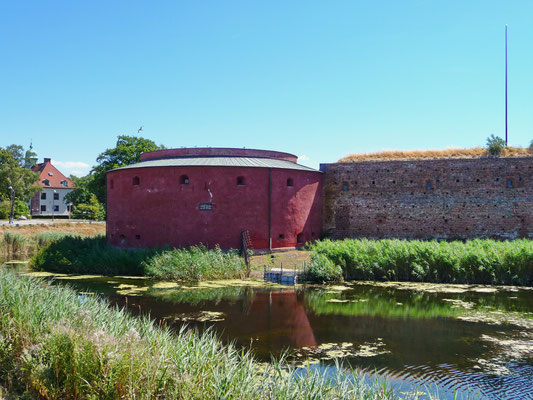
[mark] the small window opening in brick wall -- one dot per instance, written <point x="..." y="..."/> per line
<point x="345" y="187"/>
<point x="300" y="238"/>
<point x="281" y="236"/>
<point x="122" y="239"/>
<point x="138" y="237"/>
<point x="184" y="180"/>
<point x="136" y="181"/>
<point x="429" y="185"/>
<point x="240" y="181"/>
<point x="509" y="183"/>
<point x="290" y="182"/>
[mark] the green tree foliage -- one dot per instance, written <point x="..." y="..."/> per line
<point x="92" y="209"/>
<point x="82" y="193"/>
<point x="127" y="151"/>
<point x="495" y="145"/>
<point x="13" y="175"/>
<point x="20" y="209"/>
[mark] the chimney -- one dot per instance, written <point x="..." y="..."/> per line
<point x="47" y="160"/>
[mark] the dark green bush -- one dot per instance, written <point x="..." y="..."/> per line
<point x="321" y="270"/>
<point x="481" y="261"/>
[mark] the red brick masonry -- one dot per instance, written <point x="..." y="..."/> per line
<point x="448" y="199"/>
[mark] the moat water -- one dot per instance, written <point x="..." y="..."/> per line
<point x="470" y="340"/>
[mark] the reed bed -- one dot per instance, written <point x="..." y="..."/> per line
<point x="476" y="152"/>
<point x="57" y="345"/>
<point x="480" y="261"/>
<point x="75" y="254"/>
<point x="13" y="243"/>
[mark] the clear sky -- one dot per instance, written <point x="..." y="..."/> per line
<point x="320" y="79"/>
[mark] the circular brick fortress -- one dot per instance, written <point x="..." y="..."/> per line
<point x="188" y="196"/>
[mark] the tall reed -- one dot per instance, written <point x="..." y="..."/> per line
<point x="482" y="261"/>
<point x="58" y="345"/>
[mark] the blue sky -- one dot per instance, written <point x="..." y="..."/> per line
<point x="315" y="78"/>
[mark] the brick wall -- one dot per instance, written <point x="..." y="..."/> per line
<point x="444" y="199"/>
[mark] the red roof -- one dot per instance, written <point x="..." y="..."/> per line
<point x="51" y="174"/>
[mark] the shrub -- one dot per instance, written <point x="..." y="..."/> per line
<point x="321" y="270"/>
<point x="495" y="145"/>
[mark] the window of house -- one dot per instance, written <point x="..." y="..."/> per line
<point x="184" y="180"/>
<point x="136" y="181"/>
<point x="43" y="208"/>
<point x="138" y="237"/>
<point x="240" y="180"/>
<point x="429" y="185"/>
<point x="281" y="236"/>
<point x="56" y="196"/>
<point x="345" y="187"/>
<point x="55" y="208"/>
<point x="50" y="174"/>
<point x="510" y="183"/>
<point x="43" y="196"/>
<point x="300" y="238"/>
<point x="64" y="183"/>
<point x="46" y="182"/>
<point x="290" y="182"/>
<point x="206" y="206"/>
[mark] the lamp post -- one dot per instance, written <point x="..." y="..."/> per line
<point x="12" y="194"/>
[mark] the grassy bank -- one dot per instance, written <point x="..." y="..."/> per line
<point x="94" y="256"/>
<point x="28" y="239"/>
<point x="480" y="261"/>
<point x="56" y="345"/>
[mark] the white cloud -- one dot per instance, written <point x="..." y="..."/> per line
<point x="70" y="164"/>
<point x="77" y="168"/>
<point x="303" y="157"/>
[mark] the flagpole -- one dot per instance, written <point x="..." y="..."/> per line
<point x="506" y="85"/>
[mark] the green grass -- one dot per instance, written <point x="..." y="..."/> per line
<point x="480" y="261"/>
<point x="57" y="345"/>
<point x="74" y="254"/>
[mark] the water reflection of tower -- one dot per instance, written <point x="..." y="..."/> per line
<point x="286" y="323"/>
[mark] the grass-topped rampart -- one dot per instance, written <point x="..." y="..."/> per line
<point x="480" y="261"/>
<point x="93" y="255"/>
<point x="476" y="152"/>
<point x="57" y="345"/>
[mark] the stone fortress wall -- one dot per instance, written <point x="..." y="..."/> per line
<point x="425" y="199"/>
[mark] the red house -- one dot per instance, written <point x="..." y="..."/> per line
<point x="50" y="201"/>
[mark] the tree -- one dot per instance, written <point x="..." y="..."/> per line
<point x="82" y="193"/>
<point x="127" y="151"/>
<point x="16" y="182"/>
<point x="90" y="210"/>
<point x="495" y="145"/>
